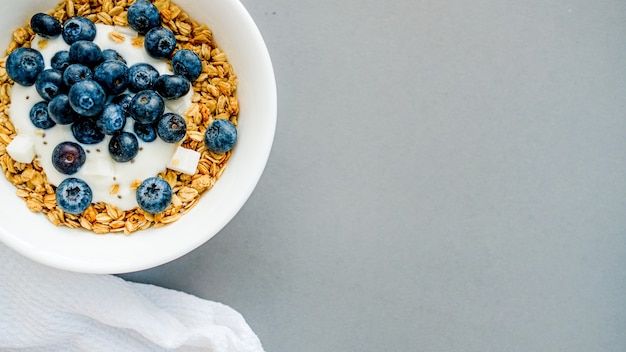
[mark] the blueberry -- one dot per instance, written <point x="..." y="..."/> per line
<point x="147" y="106"/>
<point x="68" y="157"/>
<point x="86" y="131"/>
<point x="112" y="119"/>
<point x="112" y="76"/>
<point x="78" y="28"/>
<point x="60" y="111"/>
<point x="171" y="128"/>
<point x="141" y="76"/>
<point x="154" y="195"/>
<point x="220" y="136"/>
<point x="110" y="54"/>
<point x="73" y="195"/>
<point x="87" y="98"/>
<point x="159" y="42"/>
<point x="76" y="73"/>
<point x="39" y="116"/>
<point x="49" y="84"/>
<point x="85" y="52"/>
<point x="123" y="147"/>
<point x="24" y="65"/>
<point x="187" y="64"/>
<point x="143" y="16"/>
<point x="123" y="100"/>
<point x="45" y="25"/>
<point x="145" y="131"/>
<point x="172" y="86"/>
<point x="60" y="60"/>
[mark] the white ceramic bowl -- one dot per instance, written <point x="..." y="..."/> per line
<point x="32" y="235"/>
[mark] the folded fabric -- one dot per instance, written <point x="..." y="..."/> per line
<point x="45" y="309"/>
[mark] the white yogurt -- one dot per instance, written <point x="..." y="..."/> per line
<point x="100" y="171"/>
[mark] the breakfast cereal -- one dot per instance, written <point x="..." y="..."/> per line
<point x="213" y="98"/>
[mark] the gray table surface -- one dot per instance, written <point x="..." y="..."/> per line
<point x="446" y="176"/>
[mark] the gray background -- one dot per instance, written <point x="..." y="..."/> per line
<point x="446" y="176"/>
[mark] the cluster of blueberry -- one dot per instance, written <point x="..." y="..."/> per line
<point x="86" y="88"/>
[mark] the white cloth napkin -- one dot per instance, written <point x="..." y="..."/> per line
<point x="45" y="309"/>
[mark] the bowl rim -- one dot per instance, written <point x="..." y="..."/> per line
<point x="100" y="245"/>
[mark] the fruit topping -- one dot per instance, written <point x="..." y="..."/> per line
<point x="172" y="86"/>
<point x="141" y="76"/>
<point x="60" y="111"/>
<point x="123" y="100"/>
<point x="68" y="157"/>
<point x="73" y="195"/>
<point x="187" y="64"/>
<point x="171" y="128"/>
<point x="45" y="25"/>
<point x="112" y="75"/>
<point x="85" y="52"/>
<point x="60" y="60"/>
<point x="146" y="106"/>
<point x="111" y="54"/>
<point x="94" y="91"/>
<point x="87" y="98"/>
<point x="39" y="116"/>
<point x="76" y="73"/>
<point x="221" y="136"/>
<point x="24" y="65"/>
<point x="112" y="119"/>
<point x="49" y="84"/>
<point x="123" y="147"/>
<point x="154" y="195"/>
<point x="85" y="130"/>
<point x="145" y="131"/>
<point x="159" y="42"/>
<point x="143" y="16"/>
<point x="78" y="28"/>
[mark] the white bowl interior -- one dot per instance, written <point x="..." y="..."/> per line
<point x="32" y="235"/>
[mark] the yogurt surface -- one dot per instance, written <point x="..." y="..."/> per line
<point x="110" y="181"/>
